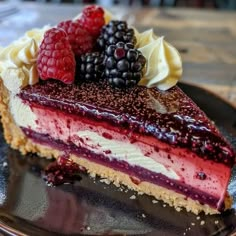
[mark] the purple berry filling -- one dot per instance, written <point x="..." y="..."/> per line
<point x="136" y="173"/>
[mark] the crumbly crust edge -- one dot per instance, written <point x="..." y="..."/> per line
<point x="17" y="140"/>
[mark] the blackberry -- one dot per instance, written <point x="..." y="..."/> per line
<point x="123" y="65"/>
<point x="90" y="66"/>
<point x="114" y="32"/>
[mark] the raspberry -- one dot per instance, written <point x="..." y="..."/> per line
<point x="124" y="65"/>
<point x="79" y="38"/>
<point x="56" y="59"/>
<point x="92" y="19"/>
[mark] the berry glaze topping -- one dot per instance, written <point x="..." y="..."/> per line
<point x="170" y="116"/>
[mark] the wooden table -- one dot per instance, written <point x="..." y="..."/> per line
<point x="206" y="39"/>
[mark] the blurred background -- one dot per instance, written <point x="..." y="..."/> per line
<point x="218" y="4"/>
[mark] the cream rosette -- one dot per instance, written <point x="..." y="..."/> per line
<point x="18" y="61"/>
<point x="164" y="65"/>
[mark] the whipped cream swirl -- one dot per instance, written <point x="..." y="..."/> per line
<point x="164" y="65"/>
<point x="18" y="61"/>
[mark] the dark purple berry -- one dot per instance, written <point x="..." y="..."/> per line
<point x="128" y="46"/>
<point x="142" y="59"/>
<point x="119" y="34"/>
<point x="110" y="51"/>
<point x="119" y="53"/>
<point x="114" y="32"/>
<point x="136" y="66"/>
<point x="115" y="73"/>
<point x="90" y="66"/>
<point x="110" y="63"/>
<point x="124" y="65"/>
<point x="127" y="75"/>
<point x="132" y="55"/>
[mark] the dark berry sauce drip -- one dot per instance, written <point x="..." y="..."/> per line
<point x="61" y="171"/>
<point x="170" y="116"/>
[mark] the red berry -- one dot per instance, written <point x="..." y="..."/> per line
<point x="80" y="40"/>
<point x="92" y="19"/>
<point x="56" y="59"/>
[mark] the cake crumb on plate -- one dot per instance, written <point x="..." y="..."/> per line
<point x="202" y="222"/>
<point x="133" y="197"/>
<point x="154" y="201"/>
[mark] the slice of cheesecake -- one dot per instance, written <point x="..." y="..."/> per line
<point x="92" y="109"/>
<point x="155" y="142"/>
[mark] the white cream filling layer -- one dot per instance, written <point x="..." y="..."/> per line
<point x="22" y="114"/>
<point x="120" y="151"/>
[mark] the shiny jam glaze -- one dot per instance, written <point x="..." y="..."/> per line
<point x="169" y="116"/>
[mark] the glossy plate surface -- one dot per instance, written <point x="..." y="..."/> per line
<point x="91" y="207"/>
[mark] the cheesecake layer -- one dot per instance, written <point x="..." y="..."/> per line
<point x="18" y="140"/>
<point x="141" y="156"/>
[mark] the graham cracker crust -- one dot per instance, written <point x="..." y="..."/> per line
<point x="17" y="140"/>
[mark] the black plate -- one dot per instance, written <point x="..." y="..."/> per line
<point x="90" y="207"/>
